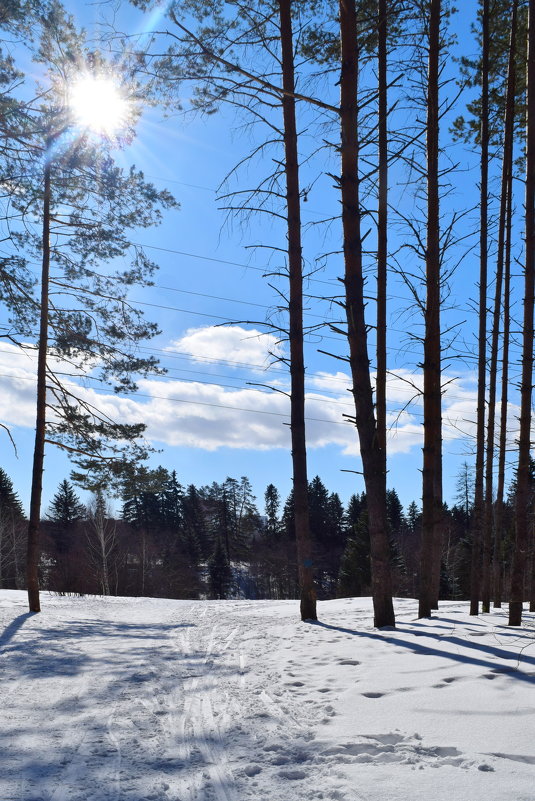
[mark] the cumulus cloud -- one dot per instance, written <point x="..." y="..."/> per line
<point x="209" y="416"/>
<point x="236" y="344"/>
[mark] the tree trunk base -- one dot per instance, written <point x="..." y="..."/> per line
<point x="34" y="604"/>
<point x="308" y="609"/>
<point x="424" y="610"/>
<point x="515" y="613"/>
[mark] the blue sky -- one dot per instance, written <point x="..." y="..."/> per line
<point x="212" y="414"/>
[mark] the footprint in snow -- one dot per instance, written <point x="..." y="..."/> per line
<point x="393" y="747"/>
<point x="293" y="775"/>
<point x="252" y="770"/>
<point x="444" y="682"/>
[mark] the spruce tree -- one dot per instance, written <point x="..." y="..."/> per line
<point x="64" y="511"/>
<point x="355" y="570"/>
<point x="64" y="515"/>
<point x="272" y="505"/>
<point x="219" y="572"/>
<point x="11" y="534"/>
<point x="9" y="500"/>
<point x="195" y="528"/>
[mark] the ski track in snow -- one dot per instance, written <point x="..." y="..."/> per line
<point x="144" y="700"/>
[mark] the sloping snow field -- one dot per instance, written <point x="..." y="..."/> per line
<point x="150" y="700"/>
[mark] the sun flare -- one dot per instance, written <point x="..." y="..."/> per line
<point x="97" y="104"/>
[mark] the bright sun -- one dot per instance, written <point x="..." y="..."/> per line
<point x="97" y="103"/>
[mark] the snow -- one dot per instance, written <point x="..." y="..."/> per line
<point x="121" y="699"/>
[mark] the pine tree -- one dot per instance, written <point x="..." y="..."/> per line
<point x="432" y="364"/>
<point x="86" y="205"/>
<point x="371" y="445"/>
<point x="526" y="387"/>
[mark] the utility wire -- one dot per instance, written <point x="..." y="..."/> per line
<point x="412" y="391"/>
<point x="219" y="406"/>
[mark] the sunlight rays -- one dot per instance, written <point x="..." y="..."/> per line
<point x="98" y="105"/>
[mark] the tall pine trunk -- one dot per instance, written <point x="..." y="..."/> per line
<point x="524" y="439"/>
<point x="382" y="225"/>
<point x="32" y="559"/>
<point x="497" y="566"/>
<point x="531" y="575"/>
<point x="506" y="215"/>
<point x="432" y="512"/>
<point x="297" y="364"/>
<point x="370" y="445"/>
<point x="478" y="527"/>
<point x="491" y="423"/>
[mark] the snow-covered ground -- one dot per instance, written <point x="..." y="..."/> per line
<point x="152" y="700"/>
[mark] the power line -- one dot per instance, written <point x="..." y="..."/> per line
<point x="414" y="391"/>
<point x="336" y="401"/>
<point x="187" y="355"/>
<point x="229" y="408"/>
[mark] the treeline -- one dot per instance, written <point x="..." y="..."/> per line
<point x="178" y="541"/>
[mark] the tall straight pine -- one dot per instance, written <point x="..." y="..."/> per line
<point x="297" y="364"/>
<point x="524" y="439"/>
<point x="373" y="462"/>
<point x="432" y="452"/>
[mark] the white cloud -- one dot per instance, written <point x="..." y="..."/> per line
<point x="17" y="385"/>
<point x="210" y="416"/>
<point x="243" y="346"/>
<point x="339" y="383"/>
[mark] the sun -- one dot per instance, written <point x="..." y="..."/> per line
<point x="97" y="103"/>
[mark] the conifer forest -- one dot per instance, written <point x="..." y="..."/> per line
<point x="410" y="125"/>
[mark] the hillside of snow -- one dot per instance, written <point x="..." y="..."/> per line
<point x="122" y="699"/>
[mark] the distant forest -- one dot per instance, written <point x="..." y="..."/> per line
<point x="216" y="542"/>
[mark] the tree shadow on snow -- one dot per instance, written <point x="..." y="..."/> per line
<point x="59" y="650"/>
<point x="10" y="630"/>
<point x="497" y="653"/>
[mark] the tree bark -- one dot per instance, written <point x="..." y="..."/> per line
<point x="297" y="364"/>
<point x="478" y="528"/>
<point x="506" y="214"/>
<point x="432" y="512"/>
<point x="32" y="558"/>
<point x="524" y="439"/>
<point x="531" y="575"/>
<point x="382" y="226"/>
<point x="370" y="446"/>
<point x="497" y="565"/>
